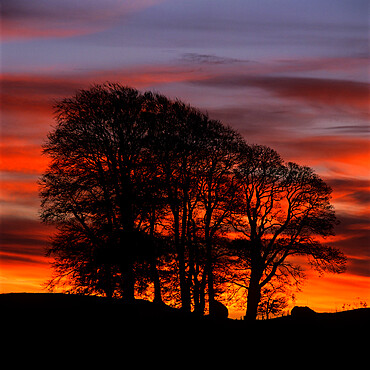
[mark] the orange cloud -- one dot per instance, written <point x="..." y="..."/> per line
<point x="353" y="189"/>
<point x="25" y="159"/>
<point x="18" y="190"/>
<point x="24" y="267"/>
<point x="329" y="293"/>
<point x="23" y="274"/>
<point x="342" y="154"/>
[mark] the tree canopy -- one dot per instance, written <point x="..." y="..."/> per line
<point x="150" y="194"/>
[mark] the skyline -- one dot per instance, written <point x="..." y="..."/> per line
<point x="285" y="74"/>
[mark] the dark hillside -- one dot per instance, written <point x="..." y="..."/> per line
<point x="77" y="318"/>
<point x="43" y="308"/>
<point x="76" y="322"/>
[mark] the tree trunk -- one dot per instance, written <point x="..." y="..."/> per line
<point x="209" y="263"/>
<point x="202" y="295"/>
<point x="128" y="238"/>
<point x="156" y="281"/>
<point x="209" y="269"/>
<point x="254" y="296"/>
<point x="108" y="285"/>
<point x="128" y="283"/>
<point x="184" y="288"/>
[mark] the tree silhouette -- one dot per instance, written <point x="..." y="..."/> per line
<point x="144" y="191"/>
<point x="285" y="212"/>
<point x="127" y="166"/>
<point x="96" y="183"/>
<point x="174" y="146"/>
<point x="195" y="157"/>
<point x="217" y="190"/>
<point x="272" y="303"/>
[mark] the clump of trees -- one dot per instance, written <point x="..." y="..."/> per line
<point x="151" y="196"/>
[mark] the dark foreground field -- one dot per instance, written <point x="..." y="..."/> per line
<point x="95" y="326"/>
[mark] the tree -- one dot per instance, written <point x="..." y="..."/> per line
<point x="285" y="212"/>
<point x="95" y="186"/>
<point x="195" y="157"/>
<point x="272" y="303"/>
<point x="217" y="190"/>
<point x="174" y="144"/>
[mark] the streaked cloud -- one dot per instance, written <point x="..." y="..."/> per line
<point x="326" y="92"/>
<point x="352" y="237"/>
<point x="209" y="59"/>
<point x="23" y="19"/>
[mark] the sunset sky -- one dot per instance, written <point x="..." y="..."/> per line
<point x="293" y="75"/>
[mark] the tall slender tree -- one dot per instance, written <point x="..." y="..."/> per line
<point x="217" y="190"/>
